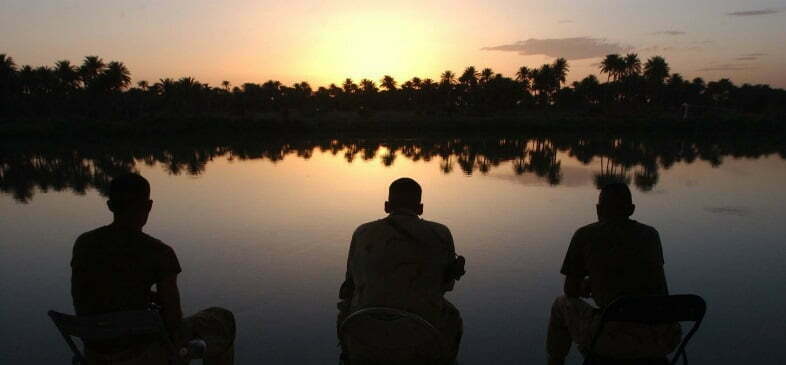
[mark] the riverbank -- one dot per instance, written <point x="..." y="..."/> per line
<point x="388" y="122"/>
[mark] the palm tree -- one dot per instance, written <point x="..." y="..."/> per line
<point x="486" y="75"/>
<point x="91" y="67"/>
<point x="523" y="77"/>
<point x="7" y="63"/>
<point x="613" y="65"/>
<point x="447" y="78"/>
<point x="66" y="73"/>
<point x="388" y="83"/>
<point x="116" y="76"/>
<point x="632" y="64"/>
<point x="469" y="77"/>
<point x="349" y="86"/>
<point x="656" y="69"/>
<point x="368" y="86"/>
<point x="560" y="68"/>
<point x="226" y="84"/>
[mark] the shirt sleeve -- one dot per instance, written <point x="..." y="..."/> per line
<point x="167" y="263"/>
<point x="657" y="248"/>
<point x="348" y="286"/>
<point x="574" y="264"/>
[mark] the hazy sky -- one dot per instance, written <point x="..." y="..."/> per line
<point x="326" y="41"/>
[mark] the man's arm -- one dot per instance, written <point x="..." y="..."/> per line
<point x="577" y="286"/>
<point x="574" y="269"/>
<point x="348" y="286"/>
<point x="169" y="297"/>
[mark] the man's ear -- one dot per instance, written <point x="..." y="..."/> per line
<point x="110" y="204"/>
<point x="631" y="209"/>
<point x="419" y="210"/>
<point x="387" y="207"/>
<point x="149" y="205"/>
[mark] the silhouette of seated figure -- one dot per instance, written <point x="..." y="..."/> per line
<point x="406" y="263"/>
<point x="114" y="268"/>
<point x="614" y="257"/>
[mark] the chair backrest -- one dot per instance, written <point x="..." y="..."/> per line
<point x="107" y="327"/>
<point x="389" y="330"/>
<point x="655" y="309"/>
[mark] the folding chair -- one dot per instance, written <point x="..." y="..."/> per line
<point x="651" y="309"/>
<point x="117" y="325"/>
<point x="389" y="333"/>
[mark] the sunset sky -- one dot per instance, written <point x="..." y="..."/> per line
<point x="326" y="41"/>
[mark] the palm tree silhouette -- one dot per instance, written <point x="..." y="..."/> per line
<point x="470" y="77"/>
<point x="613" y="65"/>
<point x="486" y="75"/>
<point x="388" y="83"/>
<point x="632" y="64"/>
<point x="116" y="76"/>
<point x="560" y="68"/>
<point x="656" y="69"/>
<point x="91" y="67"/>
<point x="67" y="73"/>
<point x="226" y="84"/>
<point x="447" y="78"/>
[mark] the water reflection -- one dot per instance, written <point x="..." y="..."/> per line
<point x="636" y="159"/>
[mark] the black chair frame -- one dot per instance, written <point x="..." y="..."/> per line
<point x="654" y="309"/>
<point x="109" y="326"/>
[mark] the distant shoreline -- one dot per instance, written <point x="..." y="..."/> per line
<point x="394" y="122"/>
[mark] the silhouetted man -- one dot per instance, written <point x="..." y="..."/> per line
<point x="613" y="257"/>
<point x="406" y="263"/>
<point x="114" y="268"/>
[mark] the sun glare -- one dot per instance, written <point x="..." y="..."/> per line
<point x="370" y="47"/>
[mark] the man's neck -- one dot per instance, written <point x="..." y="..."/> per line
<point x="403" y="211"/>
<point x="124" y="226"/>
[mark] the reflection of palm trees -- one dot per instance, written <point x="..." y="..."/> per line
<point x="610" y="172"/>
<point x="646" y="179"/>
<point x="24" y="171"/>
<point x="389" y="157"/>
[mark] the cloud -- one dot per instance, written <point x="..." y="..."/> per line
<point x="746" y="58"/>
<point x="565" y="21"/>
<point x="669" y="32"/>
<point x="569" y="48"/>
<point x="754" y="12"/>
<point x="727" y="67"/>
<point x="659" y="49"/>
<point x="754" y="55"/>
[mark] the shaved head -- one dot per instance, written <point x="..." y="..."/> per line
<point x="404" y="193"/>
<point x="615" y="201"/>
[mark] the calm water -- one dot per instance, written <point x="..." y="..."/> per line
<point x="263" y="227"/>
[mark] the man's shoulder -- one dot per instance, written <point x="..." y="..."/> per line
<point x="588" y="229"/>
<point x="103" y="234"/>
<point x="436" y="226"/>
<point x="369" y="226"/>
<point x="646" y="229"/>
<point x="91" y="237"/>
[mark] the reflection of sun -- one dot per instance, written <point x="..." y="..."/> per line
<point x="371" y="45"/>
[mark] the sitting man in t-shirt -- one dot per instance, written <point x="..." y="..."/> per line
<point x="407" y="263"/>
<point x="613" y="257"/>
<point x="114" y="268"/>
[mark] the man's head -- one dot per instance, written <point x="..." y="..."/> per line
<point x="129" y="200"/>
<point x="615" y="202"/>
<point x="404" y="193"/>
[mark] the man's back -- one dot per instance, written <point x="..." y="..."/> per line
<point x="113" y="269"/>
<point x="401" y="262"/>
<point x="621" y="257"/>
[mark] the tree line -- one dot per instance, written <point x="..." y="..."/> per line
<point x="97" y="89"/>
